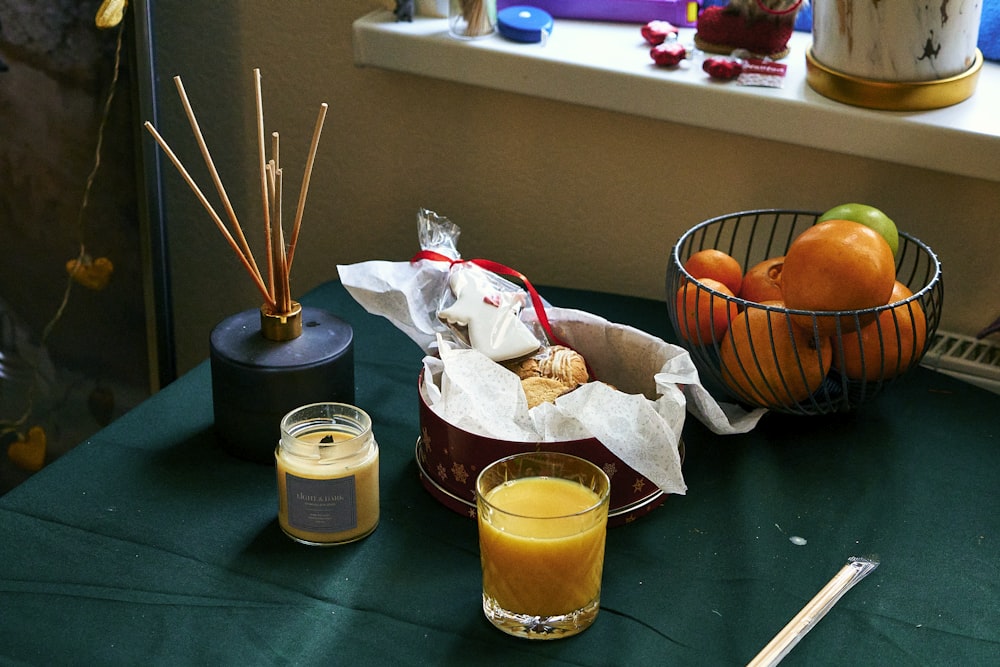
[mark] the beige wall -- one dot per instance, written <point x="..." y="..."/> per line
<point x="568" y="195"/>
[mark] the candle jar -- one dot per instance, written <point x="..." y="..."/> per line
<point x="327" y="467"/>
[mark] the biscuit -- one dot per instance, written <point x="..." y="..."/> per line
<point x="564" y="364"/>
<point x="540" y="390"/>
<point x="556" y="362"/>
<point x="523" y="368"/>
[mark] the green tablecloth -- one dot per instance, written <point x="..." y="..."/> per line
<point x="147" y="544"/>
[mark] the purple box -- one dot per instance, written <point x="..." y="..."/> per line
<point x="681" y="13"/>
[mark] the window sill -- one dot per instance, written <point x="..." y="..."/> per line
<point x="606" y="65"/>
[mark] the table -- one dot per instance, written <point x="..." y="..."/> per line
<point x="149" y="544"/>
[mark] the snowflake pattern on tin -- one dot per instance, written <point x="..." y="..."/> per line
<point x="610" y="469"/>
<point x="442" y="472"/>
<point x="639" y="484"/>
<point x="458" y="471"/>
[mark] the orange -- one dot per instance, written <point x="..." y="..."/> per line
<point x="837" y="265"/>
<point x="768" y="361"/>
<point x="717" y="265"/>
<point x="887" y="347"/>
<point x="703" y="317"/>
<point x="760" y="283"/>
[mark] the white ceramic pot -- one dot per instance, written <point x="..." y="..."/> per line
<point x="896" y="40"/>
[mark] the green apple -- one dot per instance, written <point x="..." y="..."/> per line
<point x="868" y="216"/>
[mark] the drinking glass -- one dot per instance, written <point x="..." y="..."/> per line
<point x="542" y="524"/>
<point x="471" y="19"/>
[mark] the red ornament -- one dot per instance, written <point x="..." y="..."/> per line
<point x="722" y="68"/>
<point x="657" y="32"/>
<point x="668" y="55"/>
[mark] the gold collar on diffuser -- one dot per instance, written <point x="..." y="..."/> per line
<point x="280" y="327"/>
<point x="892" y="95"/>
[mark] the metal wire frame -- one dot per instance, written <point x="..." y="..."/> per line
<point x="752" y="237"/>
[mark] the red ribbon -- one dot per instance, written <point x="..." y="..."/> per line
<point x="496" y="267"/>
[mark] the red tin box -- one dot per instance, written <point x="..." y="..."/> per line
<point x="450" y="459"/>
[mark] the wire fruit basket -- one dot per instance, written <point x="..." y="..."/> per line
<point x="766" y="355"/>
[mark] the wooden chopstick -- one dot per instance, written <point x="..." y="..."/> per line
<point x="854" y="571"/>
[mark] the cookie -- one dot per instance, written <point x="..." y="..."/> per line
<point x="490" y="317"/>
<point x="540" y="390"/>
<point x="556" y="362"/>
<point x="523" y="368"/>
<point x="564" y="364"/>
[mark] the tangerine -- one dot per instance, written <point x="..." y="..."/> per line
<point x="717" y="265"/>
<point x="837" y="265"/>
<point x="760" y="283"/>
<point x="889" y="345"/>
<point x="702" y="316"/>
<point x="768" y="361"/>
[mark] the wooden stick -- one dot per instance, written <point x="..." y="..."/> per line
<point x="275" y="210"/>
<point x="216" y="179"/>
<point x="277" y="290"/>
<point x="282" y="293"/>
<point x="282" y="290"/>
<point x="275" y="146"/>
<point x="265" y="202"/>
<point x="476" y="17"/>
<point x="305" y="183"/>
<point x="783" y="642"/>
<point x="275" y="240"/>
<point x="211" y="211"/>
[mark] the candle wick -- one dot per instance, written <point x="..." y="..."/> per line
<point x="326" y="439"/>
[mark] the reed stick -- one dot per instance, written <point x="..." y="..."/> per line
<point x="282" y="293"/>
<point x="275" y="219"/>
<point x="265" y="202"/>
<point x="254" y="274"/>
<point x="277" y="289"/>
<point x="304" y="190"/>
<point x="214" y="173"/>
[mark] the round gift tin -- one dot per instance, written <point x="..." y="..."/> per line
<point x="449" y="459"/>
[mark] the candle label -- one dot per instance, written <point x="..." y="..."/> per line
<point x="321" y="505"/>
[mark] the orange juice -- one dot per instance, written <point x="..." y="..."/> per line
<point x="542" y="551"/>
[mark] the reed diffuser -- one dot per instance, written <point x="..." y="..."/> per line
<point x="264" y="362"/>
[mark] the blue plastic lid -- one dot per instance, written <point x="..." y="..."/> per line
<point x="524" y="24"/>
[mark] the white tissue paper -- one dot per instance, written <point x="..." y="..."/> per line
<point x="635" y="407"/>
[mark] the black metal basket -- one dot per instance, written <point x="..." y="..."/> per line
<point x="754" y="236"/>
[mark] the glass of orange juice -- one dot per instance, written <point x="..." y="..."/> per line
<point x="543" y="519"/>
